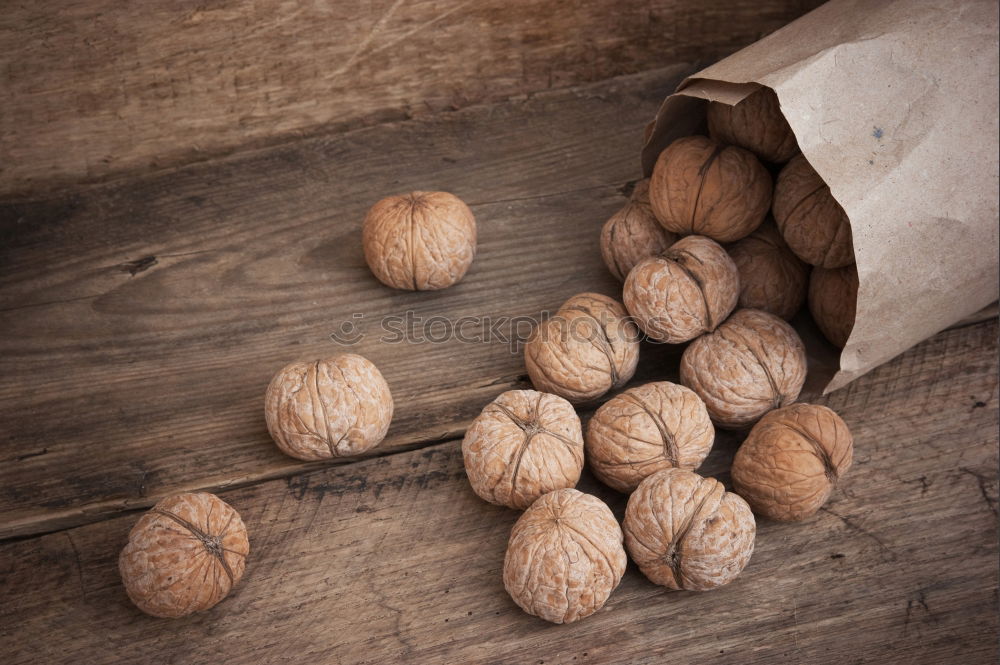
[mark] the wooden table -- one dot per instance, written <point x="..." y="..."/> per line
<point x="142" y="319"/>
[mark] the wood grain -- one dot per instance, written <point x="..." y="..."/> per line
<point x="97" y="88"/>
<point x="394" y="559"/>
<point x="142" y="321"/>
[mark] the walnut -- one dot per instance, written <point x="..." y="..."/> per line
<point x="523" y="444"/>
<point x="645" y="429"/>
<point x="813" y="224"/>
<point x="184" y="555"/>
<point x="772" y="278"/>
<point x="687" y="290"/>
<point x="791" y="461"/>
<point x="419" y="241"/>
<point x="833" y="299"/>
<point x="632" y="234"/>
<point x="753" y="363"/>
<point x="706" y="188"/>
<point x="564" y="557"/>
<point x="328" y="408"/>
<point x="687" y="532"/>
<point x="757" y="124"/>
<point x="589" y="347"/>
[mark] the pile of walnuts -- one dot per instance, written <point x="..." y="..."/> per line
<point x="703" y="264"/>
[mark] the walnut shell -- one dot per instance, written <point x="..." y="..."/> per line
<point x="419" y="241"/>
<point x="645" y="429"/>
<point x="589" y="347"/>
<point x="772" y="278"/>
<point x="633" y="234"/>
<point x="753" y="363"/>
<point x="757" y="124"/>
<point x="791" y="461"/>
<point x="687" y="532"/>
<point x="184" y="555"/>
<point x="833" y="300"/>
<point x="523" y="444"/>
<point x="706" y="188"/>
<point x="687" y="290"/>
<point x="564" y="557"/>
<point x="813" y="224"/>
<point x="328" y="408"/>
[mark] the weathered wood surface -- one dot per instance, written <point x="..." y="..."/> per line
<point x="96" y="88"/>
<point x="394" y="559"/>
<point x="141" y="322"/>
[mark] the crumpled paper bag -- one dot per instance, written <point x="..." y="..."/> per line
<point x="895" y="105"/>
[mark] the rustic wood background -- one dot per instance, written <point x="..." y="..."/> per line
<point x="99" y="88"/>
<point x="141" y="318"/>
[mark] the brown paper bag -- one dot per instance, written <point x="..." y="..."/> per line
<point x="895" y="105"/>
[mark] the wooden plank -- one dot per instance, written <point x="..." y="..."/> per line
<point x="97" y="88"/>
<point x="394" y="559"/>
<point x="142" y="321"/>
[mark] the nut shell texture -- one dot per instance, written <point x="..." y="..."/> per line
<point x="753" y="363"/>
<point x="419" y="241"/>
<point x="702" y="187"/>
<point x="792" y="460"/>
<point x="772" y="278"/>
<point x="833" y="299"/>
<point x="687" y="532"/>
<point x="686" y="291"/>
<point x="523" y="445"/>
<point x="589" y="347"/>
<point x="564" y="557"/>
<point x="813" y="224"/>
<point x="633" y="234"/>
<point x="184" y="555"/>
<point x="757" y="124"/>
<point x="645" y="429"/>
<point x="328" y="408"/>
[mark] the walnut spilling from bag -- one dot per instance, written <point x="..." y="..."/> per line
<point x="833" y="299"/>
<point x="703" y="187"/>
<point x="328" y="408"/>
<point x="633" y="234"/>
<point x="655" y="426"/>
<point x="791" y="461"/>
<point x="419" y="241"/>
<point x="811" y="221"/>
<point x="687" y="532"/>
<point x="589" y="347"/>
<point x="757" y="124"/>
<point x="686" y="291"/>
<point x="184" y="555"/>
<point x="523" y="444"/>
<point x="753" y="363"/>
<point x="772" y="278"/>
<point x="564" y="557"/>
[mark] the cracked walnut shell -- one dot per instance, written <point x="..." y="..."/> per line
<point x="633" y="234"/>
<point x="791" y="461"/>
<point x="419" y="241"/>
<point x="755" y="123"/>
<point x="702" y="187"/>
<point x="833" y="301"/>
<point x="753" y="363"/>
<point x="523" y="444"/>
<point x="564" y="557"/>
<point x="687" y="532"/>
<point x="328" y="408"/>
<point x="184" y="555"/>
<point x="813" y="224"/>
<point x="655" y="426"/>
<point x="588" y="348"/>
<point x="772" y="278"/>
<point x="684" y="292"/>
